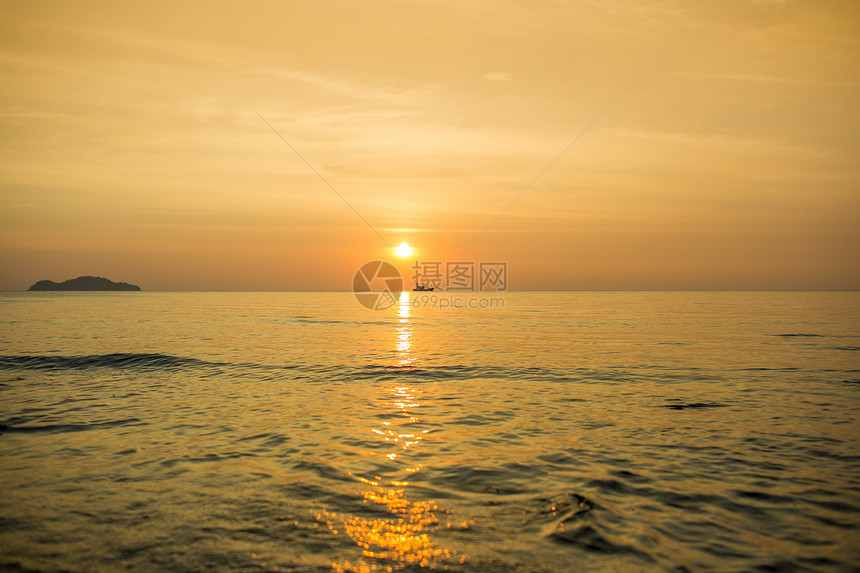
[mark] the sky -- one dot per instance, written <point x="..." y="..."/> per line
<point x="136" y="142"/>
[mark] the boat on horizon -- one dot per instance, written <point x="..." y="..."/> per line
<point x="422" y="288"/>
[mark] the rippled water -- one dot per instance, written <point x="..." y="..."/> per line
<point x="298" y="431"/>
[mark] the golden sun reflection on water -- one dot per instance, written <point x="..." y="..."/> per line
<point x="404" y="332"/>
<point x="391" y="544"/>
<point x="403" y="539"/>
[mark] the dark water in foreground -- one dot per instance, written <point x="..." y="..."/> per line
<point x="298" y="431"/>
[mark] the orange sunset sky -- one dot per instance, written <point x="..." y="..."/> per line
<point x="728" y="156"/>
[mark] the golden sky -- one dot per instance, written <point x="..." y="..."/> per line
<point x="728" y="155"/>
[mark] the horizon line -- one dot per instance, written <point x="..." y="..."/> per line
<point x="459" y="292"/>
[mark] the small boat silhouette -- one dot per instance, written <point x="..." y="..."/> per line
<point x="422" y="288"/>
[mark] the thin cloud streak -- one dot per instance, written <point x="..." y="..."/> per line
<point x="324" y="180"/>
<point x="535" y="180"/>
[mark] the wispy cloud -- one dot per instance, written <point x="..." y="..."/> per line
<point x="498" y="77"/>
<point x="758" y="78"/>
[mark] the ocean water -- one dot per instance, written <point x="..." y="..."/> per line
<point x="639" y="431"/>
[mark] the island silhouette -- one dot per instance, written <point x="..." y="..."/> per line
<point x="83" y="283"/>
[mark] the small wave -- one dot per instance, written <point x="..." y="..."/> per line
<point x="387" y="372"/>
<point x="362" y="323"/>
<point x="694" y="405"/>
<point x="581" y="525"/>
<point x="798" y="335"/>
<point x="122" y="360"/>
<point x="459" y="372"/>
<point x="62" y="428"/>
<point x="765" y="369"/>
<point x="334" y="372"/>
<point x="507" y="479"/>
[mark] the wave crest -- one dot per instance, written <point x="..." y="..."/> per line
<point x="119" y="360"/>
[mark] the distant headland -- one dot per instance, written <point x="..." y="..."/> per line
<point x="83" y="283"/>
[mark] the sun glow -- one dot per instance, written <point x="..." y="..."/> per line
<point x="403" y="250"/>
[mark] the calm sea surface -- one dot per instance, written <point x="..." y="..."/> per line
<point x="701" y="431"/>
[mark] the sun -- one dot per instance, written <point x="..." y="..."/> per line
<point x="403" y="250"/>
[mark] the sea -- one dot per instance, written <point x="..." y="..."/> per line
<point x="520" y="431"/>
